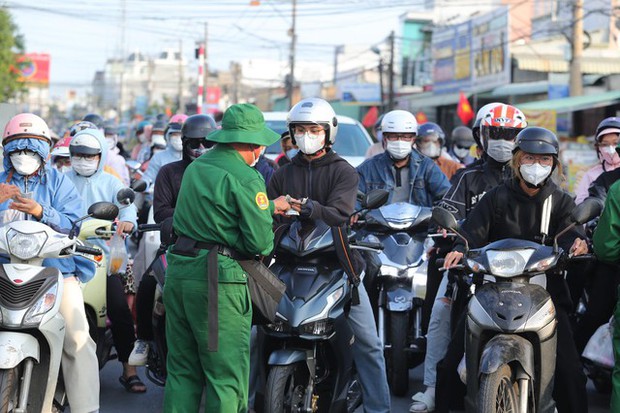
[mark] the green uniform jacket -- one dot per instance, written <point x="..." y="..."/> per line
<point x="223" y="201"/>
<point x="606" y="238"/>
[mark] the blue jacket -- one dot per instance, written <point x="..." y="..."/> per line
<point x="60" y="200"/>
<point x="101" y="186"/>
<point x="158" y="160"/>
<point x="428" y="183"/>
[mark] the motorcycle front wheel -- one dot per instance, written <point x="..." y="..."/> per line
<point x="286" y="388"/>
<point x="9" y="389"/>
<point x="398" y="366"/>
<point x="498" y="392"/>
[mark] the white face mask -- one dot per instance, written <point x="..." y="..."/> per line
<point x="111" y="143"/>
<point x="176" y="143"/>
<point x="310" y="144"/>
<point x="142" y="138"/>
<point x="535" y="173"/>
<point x="253" y="164"/>
<point x="500" y="150"/>
<point x="609" y="155"/>
<point x="430" y="149"/>
<point x="26" y="162"/>
<point x="460" y="153"/>
<point x="398" y="149"/>
<point x="84" y="167"/>
<point x="64" y="169"/>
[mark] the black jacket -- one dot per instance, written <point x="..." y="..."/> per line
<point x="471" y="183"/>
<point x="508" y="212"/>
<point x="329" y="183"/>
<point x="601" y="185"/>
<point x="167" y="186"/>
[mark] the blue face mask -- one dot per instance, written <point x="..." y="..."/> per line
<point x="291" y="153"/>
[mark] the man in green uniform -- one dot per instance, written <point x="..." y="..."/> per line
<point x="222" y="213"/>
<point x="606" y="243"/>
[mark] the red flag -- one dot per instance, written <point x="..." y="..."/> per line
<point x="421" y="118"/>
<point x="371" y="117"/>
<point x="464" y="110"/>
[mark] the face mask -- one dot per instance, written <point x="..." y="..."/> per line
<point x="196" y="153"/>
<point x="111" y="143"/>
<point x="430" y="149"/>
<point x="142" y="138"/>
<point x="176" y="143"/>
<point x="291" y="153"/>
<point x="64" y="169"/>
<point x="310" y="144"/>
<point x="460" y="153"/>
<point x="500" y="150"/>
<point x="26" y="163"/>
<point x="609" y="155"/>
<point x="84" y="167"/>
<point x="253" y="164"/>
<point x="535" y="173"/>
<point x="398" y="149"/>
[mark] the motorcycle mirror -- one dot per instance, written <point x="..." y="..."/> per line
<point x="103" y="210"/>
<point x="375" y="198"/>
<point x="444" y="219"/>
<point x="139" y="185"/>
<point x="133" y="165"/>
<point x="125" y="196"/>
<point x="589" y="209"/>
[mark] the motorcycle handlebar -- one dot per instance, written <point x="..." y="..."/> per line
<point x="373" y="245"/>
<point x="441" y="261"/>
<point x="88" y="250"/>
<point x="149" y="227"/>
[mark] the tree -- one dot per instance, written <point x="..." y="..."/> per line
<point x="11" y="46"/>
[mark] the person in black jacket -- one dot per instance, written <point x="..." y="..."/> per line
<point x="165" y="194"/>
<point x="515" y="210"/>
<point x="328" y="185"/>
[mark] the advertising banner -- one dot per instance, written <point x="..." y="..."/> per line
<point x="34" y="68"/>
<point x="363" y="94"/>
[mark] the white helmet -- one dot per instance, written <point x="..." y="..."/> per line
<point x="86" y="142"/>
<point x="399" y="121"/>
<point x="483" y="111"/>
<point x="314" y="110"/>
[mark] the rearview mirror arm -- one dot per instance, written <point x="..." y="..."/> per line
<point x="564" y="231"/>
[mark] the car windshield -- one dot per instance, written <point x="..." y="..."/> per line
<point x="351" y="140"/>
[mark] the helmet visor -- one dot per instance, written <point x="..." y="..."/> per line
<point x="496" y="133"/>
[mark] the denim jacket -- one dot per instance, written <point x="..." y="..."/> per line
<point x="428" y="183"/>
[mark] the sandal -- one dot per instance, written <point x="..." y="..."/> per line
<point x="422" y="403"/>
<point x="132" y="384"/>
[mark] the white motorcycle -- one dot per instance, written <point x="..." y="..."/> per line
<point x="32" y="330"/>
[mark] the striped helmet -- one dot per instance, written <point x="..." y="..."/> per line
<point x="501" y="122"/>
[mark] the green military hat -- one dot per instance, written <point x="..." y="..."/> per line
<point x="244" y="123"/>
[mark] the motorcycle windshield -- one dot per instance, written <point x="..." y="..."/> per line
<point x="306" y="237"/>
<point x="399" y="216"/>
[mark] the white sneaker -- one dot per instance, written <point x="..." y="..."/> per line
<point x="139" y="354"/>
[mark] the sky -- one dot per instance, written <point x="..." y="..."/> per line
<point x="81" y="36"/>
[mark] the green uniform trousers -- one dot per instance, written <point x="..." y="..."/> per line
<point x="615" y="378"/>
<point x="223" y="374"/>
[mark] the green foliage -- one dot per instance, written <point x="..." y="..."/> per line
<point x="11" y="45"/>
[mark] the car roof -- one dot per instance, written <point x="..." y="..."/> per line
<point x="271" y="116"/>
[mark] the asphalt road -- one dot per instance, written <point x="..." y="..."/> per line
<point x="114" y="398"/>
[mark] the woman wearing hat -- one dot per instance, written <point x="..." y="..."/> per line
<point x="222" y="213"/>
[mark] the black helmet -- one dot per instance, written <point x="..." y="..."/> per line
<point x="475" y="131"/>
<point x="608" y="125"/>
<point x="81" y="125"/>
<point x="94" y="118"/>
<point x="462" y="136"/>
<point x="160" y="125"/>
<point x="537" y="140"/>
<point x="429" y="129"/>
<point x="198" y="127"/>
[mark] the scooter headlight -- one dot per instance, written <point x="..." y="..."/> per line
<point x="318" y="328"/>
<point x="508" y="263"/>
<point x="42" y="306"/>
<point x="331" y="300"/>
<point x="25" y="246"/>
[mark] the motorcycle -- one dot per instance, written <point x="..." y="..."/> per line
<point x="309" y="365"/>
<point x="158" y="351"/>
<point x="510" y="338"/>
<point x="402" y="230"/>
<point x="94" y="291"/>
<point x="31" y="327"/>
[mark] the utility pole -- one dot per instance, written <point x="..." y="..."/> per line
<point x="291" y="81"/>
<point x="122" y="53"/>
<point x="337" y="51"/>
<point x="391" y="74"/>
<point x="576" y="85"/>
<point x="181" y="100"/>
<point x="205" y="72"/>
<point x="201" y="63"/>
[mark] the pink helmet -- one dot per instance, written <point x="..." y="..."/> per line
<point x="26" y="125"/>
<point x="62" y="148"/>
<point x="178" y="118"/>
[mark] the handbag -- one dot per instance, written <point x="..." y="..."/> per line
<point x="600" y="347"/>
<point x="266" y="290"/>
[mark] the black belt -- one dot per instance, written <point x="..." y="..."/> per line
<point x="188" y="247"/>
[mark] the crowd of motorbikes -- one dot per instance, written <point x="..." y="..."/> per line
<point x="306" y="363"/>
